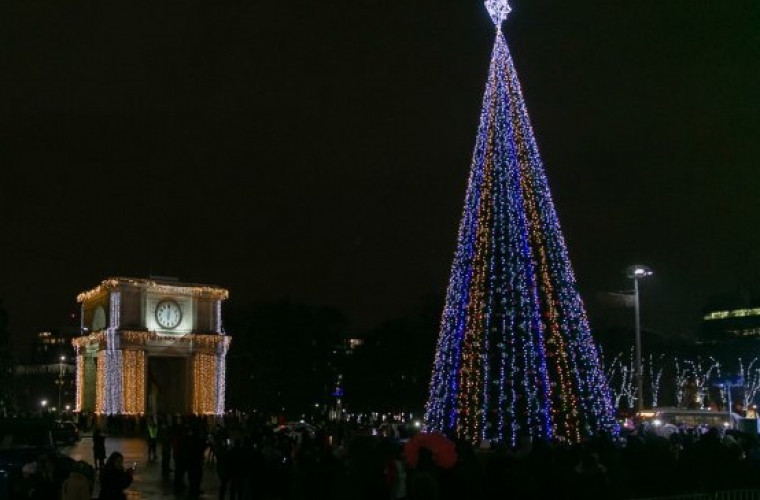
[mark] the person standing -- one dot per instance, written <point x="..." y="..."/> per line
<point x="165" y="437"/>
<point x="181" y="444"/>
<point x="196" y="448"/>
<point x="77" y="485"/>
<point x="98" y="448"/>
<point x="114" y="478"/>
<point x="223" y="468"/>
<point x="152" y="439"/>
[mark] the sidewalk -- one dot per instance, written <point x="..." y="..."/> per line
<point x="148" y="482"/>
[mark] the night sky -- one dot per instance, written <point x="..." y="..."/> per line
<point x="319" y="150"/>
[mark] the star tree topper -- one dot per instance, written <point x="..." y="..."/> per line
<point x="499" y="10"/>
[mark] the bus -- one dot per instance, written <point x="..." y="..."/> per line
<point x="689" y="418"/>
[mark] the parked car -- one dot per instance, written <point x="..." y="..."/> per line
<point x="22" y="443"/>
<point x="65" y="432"/>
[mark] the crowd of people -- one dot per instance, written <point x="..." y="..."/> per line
<point x="252" y="458"/>
<point x="351" y="463"/>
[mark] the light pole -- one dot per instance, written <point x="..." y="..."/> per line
<point x="60" y="379"/>
<point x="637" y="272"/>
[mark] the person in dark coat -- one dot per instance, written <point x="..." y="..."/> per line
<point x="196" y="447"/>
<point x="47" y="480"/>
<point x="165" y="438"/>
<point x="114" y="479"/>
<point x="98" y="448"/>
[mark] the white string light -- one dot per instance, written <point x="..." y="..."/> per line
<point x="184" y="289"/>
<point x="499" y="10"/>
<point x="221" y="374"/>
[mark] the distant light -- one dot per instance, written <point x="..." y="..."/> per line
<point x="639" y="271"/>
<point x="417" y="424"/>
<point x="657" y="422"/>
<point x="68" y="407"/>
<point x="726" y="424"/>
<point x="63" y="358"/>
<point x="43" y="403"/>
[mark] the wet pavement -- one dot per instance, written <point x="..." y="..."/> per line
<point x="148" y="482"/>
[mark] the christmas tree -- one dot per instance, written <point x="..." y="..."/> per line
<point x="515" y="354"/>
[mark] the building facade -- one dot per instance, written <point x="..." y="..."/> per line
<point x="151" y="346"/>
<point x="739" y="324"/>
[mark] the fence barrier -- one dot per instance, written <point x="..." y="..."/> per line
<point x="720" y="495"/>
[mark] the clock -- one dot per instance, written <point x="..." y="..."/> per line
<point x="168" y="314"/>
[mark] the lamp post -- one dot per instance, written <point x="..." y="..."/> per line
<point x="60" y="379"/>
<point x="637" y="272"/>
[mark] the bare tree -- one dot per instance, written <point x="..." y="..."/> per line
<point x="682" y="377"/>
<point x="627" y="382"/>
<point x="751" y="381"/>
<point x="613" y="372"/>
<point x="654" y="378"/>
<point x="702" y="377"/>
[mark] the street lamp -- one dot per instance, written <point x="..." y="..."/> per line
<point x="637" y="272"/>
<point x="43" y="404"/>
<point x="60" y="378"/>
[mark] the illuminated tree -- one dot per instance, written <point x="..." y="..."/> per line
<point x="655" y="376"/>
<point x="682" y="385"/>
<point x="751" y="377"/>
<point x="515" y="353"/>
<point x="628" y="388"/>
<point x="612" y="370"/>
<point x="702" y="375"/>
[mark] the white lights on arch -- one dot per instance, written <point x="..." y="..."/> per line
<point x="112" y="362"/>
<point x="221" y="375"/>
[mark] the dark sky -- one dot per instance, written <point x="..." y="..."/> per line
<point x="319" y="150"/>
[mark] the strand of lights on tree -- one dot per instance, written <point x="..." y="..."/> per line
<point x="751" y="381"/>
<point x="655" y="376"/>
<point x="515" y="353"/>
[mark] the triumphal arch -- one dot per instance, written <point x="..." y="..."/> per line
<point x="151" y="346"/>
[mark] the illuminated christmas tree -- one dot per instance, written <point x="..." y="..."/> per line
<point x="515" y="354"/>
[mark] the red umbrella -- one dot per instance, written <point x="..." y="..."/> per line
<point x="443" y="449"/>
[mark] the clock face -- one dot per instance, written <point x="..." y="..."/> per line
<point x="168" y="314"/>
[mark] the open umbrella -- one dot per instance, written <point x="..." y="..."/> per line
<point x="442" y="448"/>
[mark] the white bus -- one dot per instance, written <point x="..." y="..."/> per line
<point x="689" y="418"/>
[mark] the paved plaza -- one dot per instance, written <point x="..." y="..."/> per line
<point x="148" y="482"/>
